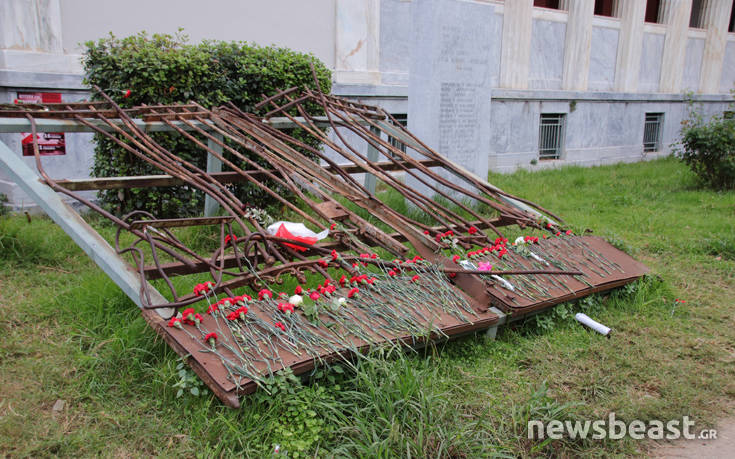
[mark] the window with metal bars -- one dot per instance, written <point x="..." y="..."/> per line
<point x="652" y="131"/>
<point x="551" y="135"/>
<point x="402" y="119"/>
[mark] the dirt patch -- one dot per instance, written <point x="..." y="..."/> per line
<point x="722" y="447"/>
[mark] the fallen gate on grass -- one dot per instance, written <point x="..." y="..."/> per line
<point x="272" y="299"/>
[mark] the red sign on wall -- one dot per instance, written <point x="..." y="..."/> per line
<point x="49" y="143"/>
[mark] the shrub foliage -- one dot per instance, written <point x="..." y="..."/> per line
<point x="167" y="69"/>
<point x="708" y="148"/>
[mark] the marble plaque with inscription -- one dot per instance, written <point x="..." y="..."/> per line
<point x="450" y="80"/>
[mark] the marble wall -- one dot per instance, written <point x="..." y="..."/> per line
<point x="693" y="64"/>
<point x="547" y="54"/>
<point x="602" y="58"/>
<point x="650" y="67"/>
<point x="727" y="83"/>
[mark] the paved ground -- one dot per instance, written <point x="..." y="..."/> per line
<point x="721" y="448"/>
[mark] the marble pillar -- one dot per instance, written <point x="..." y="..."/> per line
<point x="450" y="80"/>
<point x="577" y="45"/>
<point x="675" y="14"/>
<point x="716" y="18"/>
<point x="630" y="45"/>
<point x="357" y="50"/>
<point x="515" y="49"/>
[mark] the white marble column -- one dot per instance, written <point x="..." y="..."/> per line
<point x="357" y="51"/>
<point x="630" y="44"/>
<point x="577" y="45"/>
<point x="715" y="21"/>
<point x="515" y="50"/>
<point x="30" y="38"/>
<point x="675" y="14"/>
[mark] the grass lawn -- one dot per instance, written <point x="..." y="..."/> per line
<point x="67" y="332"/>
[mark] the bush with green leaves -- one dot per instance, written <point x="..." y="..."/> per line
<point x="164" y="69"/>
<point x="708" y="148"/>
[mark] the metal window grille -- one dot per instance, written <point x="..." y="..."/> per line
<point x="652" y="132"/>
<point x="551" y="135"/>
<point x="402" y="119"/>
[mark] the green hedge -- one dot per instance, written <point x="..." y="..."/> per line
<point x="708" y="148"/>
<point x="167" y="69"/>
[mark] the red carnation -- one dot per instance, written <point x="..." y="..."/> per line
<point x="265" y="292"/>
<point x="452" y="275"/>
<point x="558" y="233"/>
<point x="426" y="232"/>
<point x="211" y="338"/>
<point x="392" y="273"/>
<point x="472" y="230"/>
<point x="175" y="322"/>
<point x="569" y="232"/>
<point x="280" y="325"/>
<point x="213" y="307"/>
<point x="243" y="298"/>
<point x="415" y="278"/>
<point x="189" y="316"/>
<point x="456" y="258"/>
<point x="314" y="295"/>
<point x="230" y="237"/>
<point x="298" y="290"/>
<point x="334" y="254"/>
<point x="342" y="280"/>
<point x="332" y="226"/>
<point x="127" y="93"/>
<point x="353" y="291"/>
<point x="286" y="308"/>
<point x="322" y="262"/>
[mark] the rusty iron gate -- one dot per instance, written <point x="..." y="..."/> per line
<point x="455" y="255"/>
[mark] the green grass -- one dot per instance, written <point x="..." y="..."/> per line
<point x="69" y="333"/>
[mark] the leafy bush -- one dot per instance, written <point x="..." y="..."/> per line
<point x="166" y="69"/>
<point x="708" y="148"/>
<point x="3" y="208"/>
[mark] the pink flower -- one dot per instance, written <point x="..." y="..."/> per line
<point x="484" y="266"/>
